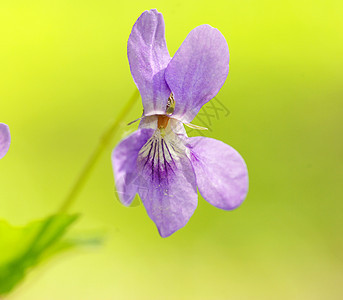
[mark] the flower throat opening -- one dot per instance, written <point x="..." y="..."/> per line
<point x="162" y="121"/>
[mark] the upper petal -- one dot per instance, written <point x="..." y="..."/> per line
<point x="148" y="57"/>
<point x="197" y="71"/>
<point x="167" y="183"/>
<point x="5" y="139"/>
<point x="124" y="162"/>
<point x="221" y="173"/>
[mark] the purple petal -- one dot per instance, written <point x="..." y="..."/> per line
<point x="167" y="184"/>
<point x="5" y="139"/>
<point x="221" y="173"/>
<point x="124" y="161"/>
<point x="197" y="71"/>
<point x="148" y="57"/>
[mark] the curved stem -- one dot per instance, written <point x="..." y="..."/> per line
<point x="93" y="159"/>
<point x="82" y="178"/>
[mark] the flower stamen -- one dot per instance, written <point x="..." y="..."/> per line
<point x="170" y="105"/>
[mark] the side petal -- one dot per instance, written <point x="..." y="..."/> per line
<point x="221" y="173"/>
<point x="124" y="162"/>
<point x="197" y="71"/>
<point x="5" y="139"/>
<point x="167" y="184"/>
<point x="148" y="57"/>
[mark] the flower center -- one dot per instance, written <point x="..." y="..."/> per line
<point x="162" y="121"/>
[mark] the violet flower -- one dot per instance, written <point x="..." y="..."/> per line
<point x="159" y="161"/>
<point x="5" y="139"/>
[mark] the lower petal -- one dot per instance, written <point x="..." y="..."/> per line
<point x="167" y="183"/>
<point x="5" y="139"/>
<point x="124" y="161"/>
<point x="221" y="173"/>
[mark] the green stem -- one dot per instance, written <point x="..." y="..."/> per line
<point x="82" y="178"/>
<point x="104" y="141"/>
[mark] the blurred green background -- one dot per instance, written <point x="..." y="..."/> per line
<point x="64" y="78"/>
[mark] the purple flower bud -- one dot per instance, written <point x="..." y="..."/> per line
<point x="5" y="139"/>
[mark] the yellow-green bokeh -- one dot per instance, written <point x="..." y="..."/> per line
<point x="64" y="77"/>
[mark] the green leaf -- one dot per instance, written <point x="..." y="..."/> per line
<point x="22" y="248"/>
